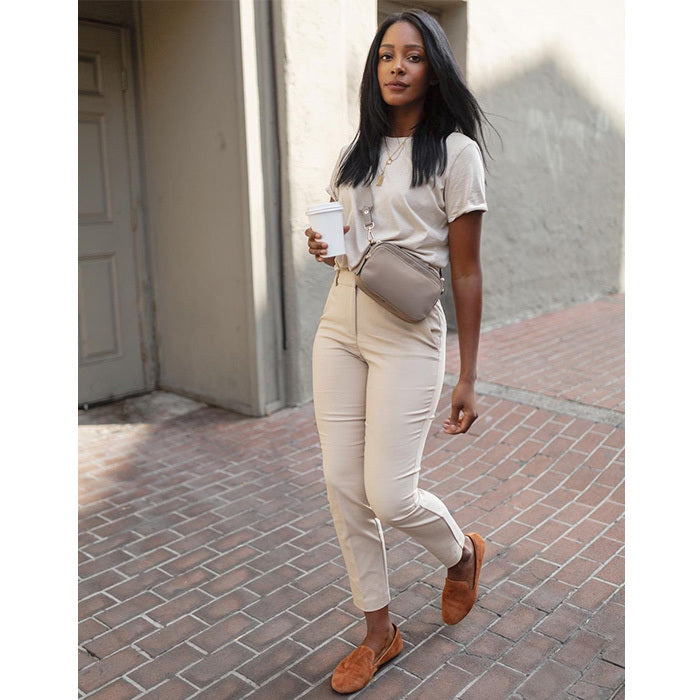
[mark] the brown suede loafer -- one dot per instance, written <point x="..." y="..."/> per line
<point x="355" y="671"/>
<point x="458" y="597"/>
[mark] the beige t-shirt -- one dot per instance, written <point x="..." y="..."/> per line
<point x="415" y="218"/>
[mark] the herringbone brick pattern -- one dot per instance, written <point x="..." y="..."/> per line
<point x="209" y="566"/>
<point x="572" y="354"/>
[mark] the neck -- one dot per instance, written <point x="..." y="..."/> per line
<point x="404" y="121"/>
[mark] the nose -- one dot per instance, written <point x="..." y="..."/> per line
<point x="397" y="67"/>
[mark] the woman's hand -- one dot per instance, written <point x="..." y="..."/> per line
<point x="463" y="409"/>
<point x="317" y="247"/>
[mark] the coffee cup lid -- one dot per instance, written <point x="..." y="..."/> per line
<point x="324" y="208"/>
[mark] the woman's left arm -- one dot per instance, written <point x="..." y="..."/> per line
<point x="464" y="238"/>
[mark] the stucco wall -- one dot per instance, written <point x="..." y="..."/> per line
<point x="194" y="164"/>
<point x="550" y="76"/>
<point x="319" y="59"/>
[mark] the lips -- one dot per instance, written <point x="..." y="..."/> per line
<point x="396" y="85"/>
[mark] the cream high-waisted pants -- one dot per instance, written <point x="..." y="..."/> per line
<point x="376" y="384"/>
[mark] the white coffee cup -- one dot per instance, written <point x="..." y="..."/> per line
<point x="327" y="219"/>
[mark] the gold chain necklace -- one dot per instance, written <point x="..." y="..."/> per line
<point x="391" y="159"/>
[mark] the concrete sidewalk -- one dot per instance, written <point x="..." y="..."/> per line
<point x="209" y="566"/>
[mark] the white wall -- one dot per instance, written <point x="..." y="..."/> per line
<point x="585" y="38"/>
<point x="322" y="47"/>
<point x="550" y="75"/>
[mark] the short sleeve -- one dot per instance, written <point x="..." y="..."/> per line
<point x="465" y="185"/>
<point x="332" y="189"/>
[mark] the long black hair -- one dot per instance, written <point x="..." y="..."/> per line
<point x="449" y="106"/>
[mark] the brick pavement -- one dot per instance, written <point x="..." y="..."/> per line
<point x="209" y="568"/>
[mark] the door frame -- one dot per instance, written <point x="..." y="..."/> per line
<point x="142" y="265"/>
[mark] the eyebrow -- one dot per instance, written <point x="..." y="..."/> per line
<point x="406" y="46"/>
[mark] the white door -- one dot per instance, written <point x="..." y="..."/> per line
<point x="112" y="352"/>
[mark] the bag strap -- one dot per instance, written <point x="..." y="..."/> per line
<point x="365" y="204"/>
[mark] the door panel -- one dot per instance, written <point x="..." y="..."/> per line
<point x="111" y="358"/>
<point x="93" y="175"/>
<point x="100" y="332"/>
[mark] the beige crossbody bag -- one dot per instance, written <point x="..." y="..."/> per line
<point x="394" y="277"/>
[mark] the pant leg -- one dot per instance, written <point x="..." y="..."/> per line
<point x="339" y="388"/>
<point x="406" y="366"/>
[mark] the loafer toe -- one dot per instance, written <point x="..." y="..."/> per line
<point x="356" y="670"/>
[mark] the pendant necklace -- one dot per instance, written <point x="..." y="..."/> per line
<point x="390" y="160"/>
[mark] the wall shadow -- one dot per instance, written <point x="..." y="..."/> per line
<point x="554" y="232"/>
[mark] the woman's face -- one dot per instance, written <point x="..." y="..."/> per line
<point x="403" y="70"/>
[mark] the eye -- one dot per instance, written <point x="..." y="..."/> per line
<point x="415" y="58"/>
<point x="384" y="56"/>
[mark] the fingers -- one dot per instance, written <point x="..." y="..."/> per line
<point x="450" y="427"/>
<point x="451" y="424"/>
<point x="459" y="421"/>
<point x="317" y="247"/>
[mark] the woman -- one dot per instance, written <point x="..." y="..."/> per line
<point x="376" y="378"/>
